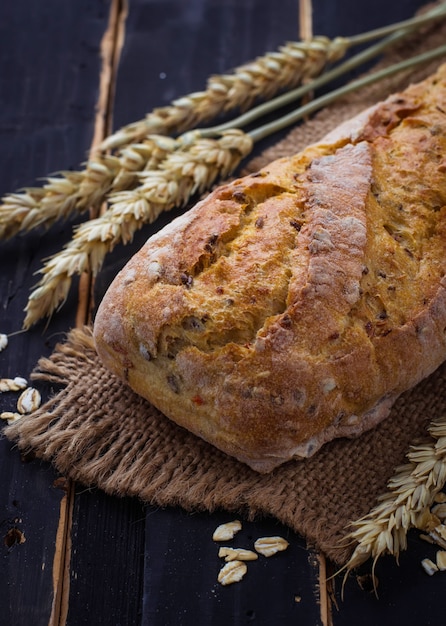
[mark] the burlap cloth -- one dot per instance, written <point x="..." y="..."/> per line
<point x="98" y="432"/>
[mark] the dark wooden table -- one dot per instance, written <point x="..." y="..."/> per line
<point x="70" y="554"/>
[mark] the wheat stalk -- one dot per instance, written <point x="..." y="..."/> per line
<point x="294" y="63"/>
<point x="141" y="145"/>
<point x="406" y="504"/>
<point x="191" y="168"/>
<point x="291" y="118"/>
<point x="192" y="165"/>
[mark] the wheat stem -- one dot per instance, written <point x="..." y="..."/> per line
<point x="191" y="168"/>
<point x="411" y="23"/>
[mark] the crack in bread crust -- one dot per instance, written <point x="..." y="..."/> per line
<point x="215" y="293"/>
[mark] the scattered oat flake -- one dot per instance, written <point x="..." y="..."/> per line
<point x="12" y="384"/>
<point x="3" y="341"/>
<point x="440" y="510"/>
<point x="429" y="567"/>
<point x="438" y="534"/>
<point x="224" y="532"/>
<point x="237" y="554"/>
<point x="21" y="383"/>
<point x="10" y="417"/>
<point x="232" y="572"/>
<point x="440" y="559"/>
<point x="440" y="497"/>
<point x="268" y="546"/>
<point x="29" y="401"/>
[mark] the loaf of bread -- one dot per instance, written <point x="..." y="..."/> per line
<point x="294" y="305"/>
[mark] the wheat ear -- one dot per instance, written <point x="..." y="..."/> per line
<point x="292" y="64"/>
<point x="144" y="147"/>
<point x="76" y="192"/>
<point x="191" y="168"/>
<point x="406" y="504"/>
<point x="141" y="146"/>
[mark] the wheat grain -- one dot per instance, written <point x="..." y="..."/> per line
<point x="406" y="504"/>
<point x="190" y="169"/>
<point x="429" y="566"/>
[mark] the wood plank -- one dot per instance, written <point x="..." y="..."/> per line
<point x="106" y="568"/>
<point x="172" y="72"/>
<point x="30" y="504"/>
<point x="48" y="86"/>
<point x="349" y="17"/>
<point x="405" y="593"/>
<point x="182" y="565"/>
<point x="173" y="537"/>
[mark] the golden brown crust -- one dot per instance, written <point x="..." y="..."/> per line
<point x="294" y="305"/>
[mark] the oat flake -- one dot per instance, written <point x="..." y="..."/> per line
<point x="3" y="341"/>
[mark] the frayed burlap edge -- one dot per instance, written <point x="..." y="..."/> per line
<point x="99" y="433"/>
